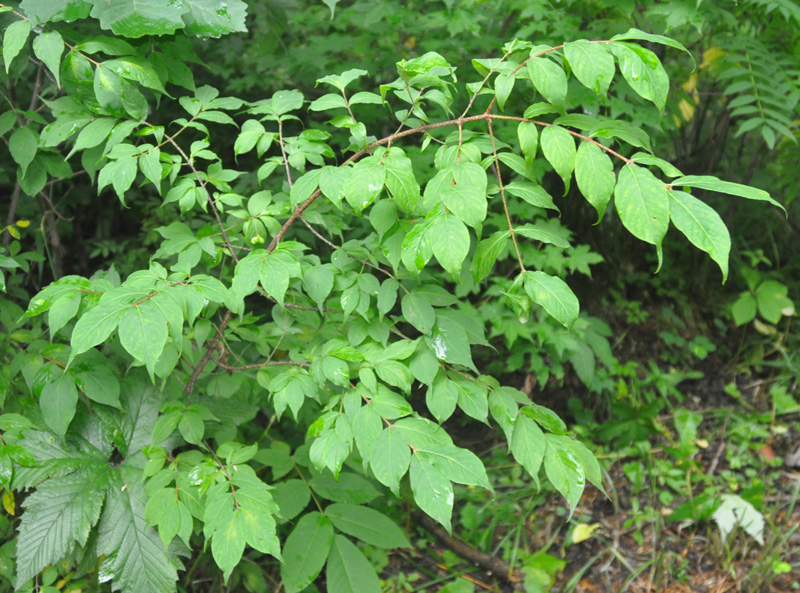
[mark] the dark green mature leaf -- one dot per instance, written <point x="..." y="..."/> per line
<point x="140" y="18"/>
<point x="418" y="311"/>
<point x="212" y="18"/>
<point x="643" y="205"/>
<point x="711" y="183"/>
<point x="58" y="398"/>
<point x="486" y="254"/>
<point x="652" y="38"/>
<point x="594" y="173"/>
<point x="22" y="144"/>
<point x="591" y="64"/>
<point x="135" y="557"/>
<point x="58" y="515"/>
<point x="558" y="147"/>
<point x="433" y="492"/>
<point x="365" y="183"/>
<point x="643" y="71"/>
<point x="368" y="525"/>
<point x="702" y="226"/>
<point x="348" y="570"/>
<point x="143" y="332"/>
<point x="305" y="551"/>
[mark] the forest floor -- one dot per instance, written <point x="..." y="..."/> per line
<point x="627" y="539"/>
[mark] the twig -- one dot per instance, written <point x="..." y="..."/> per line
<point x="258" y="365"/>
<point x="722" y="443"/>
<point x="503" y="196"/>
<point x="209" y="353"/>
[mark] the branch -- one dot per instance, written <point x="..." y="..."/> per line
<point x="209" y="353"/>
<point x="259" y="365"/>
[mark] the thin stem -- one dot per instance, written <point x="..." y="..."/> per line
<point x="503" y="196"/>
<point x="258" y="365"/>
<point x="283" y="154"/>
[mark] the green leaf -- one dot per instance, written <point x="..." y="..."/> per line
<point x="368" y="525"/>
<point x="528" y="445"/>
<point x="546" y="418"/>
<point x="389" y="458"/>
<point x="553" y="295"/>
<point x="14" y="39"/>
<point x="134" y="556"/>
<point x="486" y="254"/>
<point x="22" y="144"/>
<point x="591" y="64"/>
<point x="305" y="551"/>
<point x="441" y="397"/>
<point x="95" y="326"/>
<point x="550" y="80"/>
<point x="528" y="135"/>
<point x="58" y="398"/>
<point x="543" y="233"/>
<point x="329" y="101"/>
<point x="136" y="69"/>
<point x="318" y="283"/>
<point x="97" y="381"/>
<point x="457" y="464"/>
<point x="418" y="311"/>
<point x="702" y="226"/>
<point x="449" y="239"/>
<point x="58" y="515"/>
<point x="450" y="343"/>
<point x="140" y="18"/>
<point x="433" y="492"/>
<point x="643" y="205"/>
<point x="340" y="81"/>
<point x="652" y="38"/>
<point x="594" y="173"/>
<point x="94" y="133"/>
<point x="402" y="183"/>
<point x="464" y="192"/>
<point x="212" y="18"/>
<point x="564" y="471"/>
<point x="532" y="193"/>
<point x="48" y="47"/>
<point x="711" y="183"/>
<point x="348" y="571"/>
<point x="304" y="187"/>
<point x="228" y="542"/>
<point x="558" y="147"/>
<point x="744" y="309"/>
<point x="56" y="10"/>
<point x="143" y="333"/>
<point x="503" y="86"/>
<point x="365" y="183"/>
<point x="643" y="71"/>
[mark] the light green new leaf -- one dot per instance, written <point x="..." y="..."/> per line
<point x="368" y="525"/>
<point x="591" y="64"/>
<point x="143" y="333"/>
<point x="594" y="173"/>
<point x="305" y="551"/>
<point x="652" y="38"/>
<point x="550" y="80"/>
<point x="275" y="273"/>
<point x="702" y="226"/>
<point x="48" y="47"/>
<point x="14" y="40"/>
<point x="227" y="543"/>
<point x="389" y="458"/>
<point x="558" y="147"/>
<point x="449" y="239"/>
<point x="304" y="186"/>
<point x="433" y="492"/>
<point x="543" y="233"/>
<point x="326" y="102"/>
<point x="441" y="397"/>
<point x="564" y="471"/>
<point x="643" y="205"/>
<point x="450" y="343"/>
<point x="711" y="183"/>
<point x="318" y="283"/>
<point x="589" y="463"/>
<point x="365" y="183"/>
<point x="527" y="445"/>
<point x="58" y="515"/>
<point x="55" y="10"/>
<point x="554" y="295"/>
<point x="348" y="570"/>
<point x="503" y="85"/>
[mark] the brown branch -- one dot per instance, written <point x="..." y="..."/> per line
<point x="503" y="196"/>
<point x="258" y="365"/>
<point x="214" y="344"/>
<point x="493" y="564"/>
